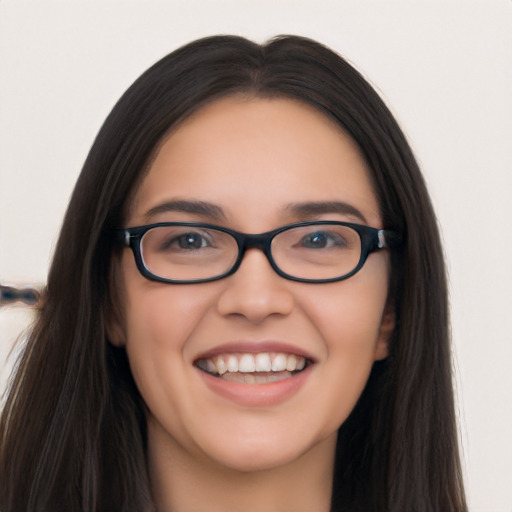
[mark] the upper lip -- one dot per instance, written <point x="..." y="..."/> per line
<point x="255" y="347"/>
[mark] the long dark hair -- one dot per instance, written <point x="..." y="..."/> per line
<point x="73" y="426"/>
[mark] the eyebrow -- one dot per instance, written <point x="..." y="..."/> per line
<point x="202" y="208"/>
<point x="310" y="209"/>
<point x="215" y="212"/>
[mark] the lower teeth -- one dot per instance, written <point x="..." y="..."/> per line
<point x="256" y="378"/>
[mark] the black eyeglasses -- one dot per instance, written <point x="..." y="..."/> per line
<point x="308" y="252"/>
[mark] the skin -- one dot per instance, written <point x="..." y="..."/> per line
<point x="252" y="158"/>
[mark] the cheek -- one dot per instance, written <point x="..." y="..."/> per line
<point x="159" y="322"/>
<point x="349" y="313"/>
<point x="348" y="316"/>
<point x="159" y="319"/>
<point x="157" y="315"/>
<point x="351" y="334"/>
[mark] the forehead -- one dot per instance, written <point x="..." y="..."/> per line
<point x="253" y="157"/>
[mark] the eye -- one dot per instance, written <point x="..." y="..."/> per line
<point x="188" y="241"/>
<point x="322" y="240"/>
<point x="185" y="241"/>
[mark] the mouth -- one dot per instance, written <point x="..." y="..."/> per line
<point x="253" y="368"/>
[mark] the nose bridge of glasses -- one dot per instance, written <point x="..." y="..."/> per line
<point x="261" y="242"/>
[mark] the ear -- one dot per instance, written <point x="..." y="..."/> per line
<point x="115" y="331"/>
<point x="386" y="329"/>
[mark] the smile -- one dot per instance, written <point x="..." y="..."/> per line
<point x="249" y="368"/>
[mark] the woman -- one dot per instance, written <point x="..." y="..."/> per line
<point x="247" y="305"/>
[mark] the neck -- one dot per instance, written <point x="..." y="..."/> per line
<point x="185" y="483"/>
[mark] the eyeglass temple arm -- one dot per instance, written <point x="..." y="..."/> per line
<point x="388" y="239"/>
<point x="121" y="236"/>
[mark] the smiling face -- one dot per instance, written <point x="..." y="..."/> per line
<point x="293" y="357"/>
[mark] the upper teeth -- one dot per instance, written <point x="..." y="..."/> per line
<point x="251" y="363"/>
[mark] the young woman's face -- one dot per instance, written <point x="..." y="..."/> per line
<point x="256" y="164"/>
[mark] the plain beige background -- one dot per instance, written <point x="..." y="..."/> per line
<point x="445" y="69"/>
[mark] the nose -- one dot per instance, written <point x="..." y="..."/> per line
<point x="255" y="291"/>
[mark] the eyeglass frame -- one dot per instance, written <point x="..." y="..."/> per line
<point x="372" y="240"/>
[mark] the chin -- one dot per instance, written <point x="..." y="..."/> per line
<point x="251" y="463"/>
<point x="270" y="453"/>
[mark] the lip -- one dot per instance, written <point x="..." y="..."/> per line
<point x="256" y="395"/>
